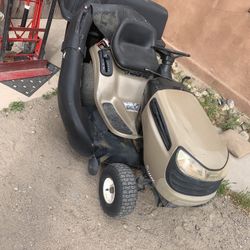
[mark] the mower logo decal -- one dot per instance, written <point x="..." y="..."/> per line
<point x="132" y="107"/>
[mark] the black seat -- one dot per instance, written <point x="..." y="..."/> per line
<point x="155" y="14"/>
<point x="132" y="46"/>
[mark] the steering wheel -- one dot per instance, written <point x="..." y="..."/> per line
<point x="170" y="52"/>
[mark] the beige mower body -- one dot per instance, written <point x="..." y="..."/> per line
<point x="189" y="128"/>
<point x="187" y="125"/>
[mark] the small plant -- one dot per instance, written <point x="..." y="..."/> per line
<point x="224" y="188"/>
<point x="230" y="121"/>
<point x="210" y="104"/>
<point x="242" y="199"/>
<point x="17" y="106"/>
<point x="50" y="94"/>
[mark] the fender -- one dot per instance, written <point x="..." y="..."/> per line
<point x="73" y="114"/>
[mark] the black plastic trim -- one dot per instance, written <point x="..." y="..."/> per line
<point x="160" y="123"/>
<point x="115" y="120"/>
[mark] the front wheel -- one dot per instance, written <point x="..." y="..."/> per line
<point x="117" y="190"/>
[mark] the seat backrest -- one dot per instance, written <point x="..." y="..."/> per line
<point x="136" y="33"/>
<point x="151" y="11"/>
<point x="132" y="46"/>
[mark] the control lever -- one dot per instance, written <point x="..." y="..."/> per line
<point x="106" y="64"/>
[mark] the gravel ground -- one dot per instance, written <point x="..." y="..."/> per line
<point x="48" y="200"/>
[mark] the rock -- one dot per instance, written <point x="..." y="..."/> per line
<point x="219" y="130"/>
<point x="236" y="144"/>
<point x="197" y="94"/>
<point x="221" y="101"/>
<point x="244" y="119"/>
<point x="16" y="188"/>
<point x="217" y="96"/>
<point x="245" y="126"/>
<point x="193" y="90"/>
<point x="204" y="93"/>
<point x="239" y="129"/>
<point x="245" y="135"/>
<point x="225" y="108"/>
<point x="202" y="99"/>
<point x="231" y="104"/>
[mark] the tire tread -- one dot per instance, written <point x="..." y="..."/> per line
<point x="127" y="185"/>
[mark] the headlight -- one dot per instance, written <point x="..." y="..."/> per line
<point x="190" y="167"/>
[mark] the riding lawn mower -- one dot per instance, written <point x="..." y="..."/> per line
<point x="123" y="111"/>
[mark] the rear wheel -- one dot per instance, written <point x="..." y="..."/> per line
<point x="117" y="190"/>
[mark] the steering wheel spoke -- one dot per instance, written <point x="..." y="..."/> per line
<point x="170" y="52"/>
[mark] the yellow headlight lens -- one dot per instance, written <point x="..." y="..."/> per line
<point x="190" y="167"/>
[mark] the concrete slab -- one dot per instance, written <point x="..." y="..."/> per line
<point x="239" y="173"/>
<point x="53" y="54"/>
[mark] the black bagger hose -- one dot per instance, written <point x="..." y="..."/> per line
<point x="69" y="99"/>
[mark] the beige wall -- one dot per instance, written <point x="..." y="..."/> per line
<point x="217" y="34"/>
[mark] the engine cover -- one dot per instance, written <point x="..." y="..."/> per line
<point x="174" y="119"/>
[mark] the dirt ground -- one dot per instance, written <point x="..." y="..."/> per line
<point x="48" y="200"/>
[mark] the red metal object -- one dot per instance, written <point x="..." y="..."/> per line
<point x="23" y="69"/>
<point x="27" y="63"/>
<point x="30" y="33"/>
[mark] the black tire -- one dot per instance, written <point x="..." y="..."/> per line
<point x="125" y="190"/>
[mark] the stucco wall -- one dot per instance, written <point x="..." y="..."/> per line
<point x="217" y="34"/>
